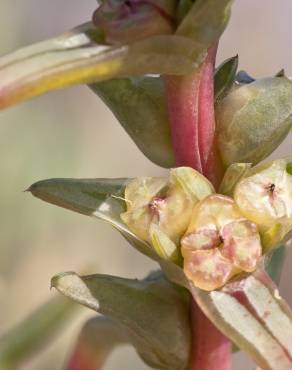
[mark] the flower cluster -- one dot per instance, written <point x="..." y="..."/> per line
<point x="217" y="236"/>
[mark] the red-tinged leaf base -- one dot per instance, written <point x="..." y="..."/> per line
<point x="252" y="313"/>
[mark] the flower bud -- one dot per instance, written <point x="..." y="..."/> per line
<point x="265" y="195"/>
<point x="219" y="243"/>
<point x="159" y="210"/>
<point x="124" y="22"/>
<point x="253" y="119"/>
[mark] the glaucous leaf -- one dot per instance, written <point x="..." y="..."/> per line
<point x="182" y="9"/>
<point x="234" y="173"/>
<point x="254" y="119"/>
<point x="139" y="105"/>
<point x="98" y="338"/>
<point x="100" y="198"/>
<point x="274" y="263"/>
<point x="153" y="312"/>
<point x="34" y="332"/>
<point x="251" y="312"/>
<point x="224" y="77"/>
<point x="205" y="22"/>
<point x="80" y="57"/>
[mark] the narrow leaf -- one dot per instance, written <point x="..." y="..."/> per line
<point x="154" y="313"/>
<point x="100" y="198"/>
<point x="77" y="57"/>
<point x="139" y="105"/>
<point x="275" y="262"/>
<point x="224" y="77"/>
<point x="241" y="324"/>
<point x="34" y="332"/>
<point x="97" y="340"/>
<point x="252" y="313"/>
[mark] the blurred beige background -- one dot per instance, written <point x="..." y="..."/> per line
<point x="72" y="134"/>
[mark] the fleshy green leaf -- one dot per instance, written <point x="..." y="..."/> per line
<point x="206" y="21"/>
<point x="275" y="262"/>
<point x="183" y="8"/>
<point x="224" y="77"/>
<point x="34" y="332"/>
<point x="234" y="173"/>
<point x="281" y="73"/>
<point x="235" y="324"/>
<point x="254" y="119"/>
<point x="252" y="313"/>
<point x="76" y="58"/>
<point x="154" y="313"/>
<point x="100" y="198"/>
<point x="97" y="339"/>
<point x="139" y="105"/>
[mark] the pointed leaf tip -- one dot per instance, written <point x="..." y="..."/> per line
<point x="224" y="77"/>
<point x="152" y="311"/>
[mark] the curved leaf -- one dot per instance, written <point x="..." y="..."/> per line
<point x="139" y="105"/>
<point x="206" y="21"/>
<point x="76" y="58"/>
<point x="241" y="324"/>
<point x="34" y="332"/>
<point x="251" y="312"/>
<point x="275" y="262"/>
<point x="100" y="198"/>
<point x="254" y="119"/>
<point x="154" y="313"/>
<point x="224" y="77"/>
<point x="234" y="173"/>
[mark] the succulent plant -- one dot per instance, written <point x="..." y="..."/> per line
<point x="215" y="224"/>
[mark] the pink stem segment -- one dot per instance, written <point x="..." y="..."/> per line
<point x="191" y="112"/>
<point x="85" y="358"/>
<point x="210" y="349"/>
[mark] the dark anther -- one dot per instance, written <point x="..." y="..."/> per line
<point x="271" y="188"/>
<point x="128" y="4"/>
<point x="221" y="239"/>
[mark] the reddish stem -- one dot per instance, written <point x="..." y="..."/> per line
<point x="182" y="98"/>
<point x="210" y="348"/>
<point x="86" y="358"/>
<point x="191" y="112"/>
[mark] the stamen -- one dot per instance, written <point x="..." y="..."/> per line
<point x="155" y="204"/>
<point x="221" y="239"/>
